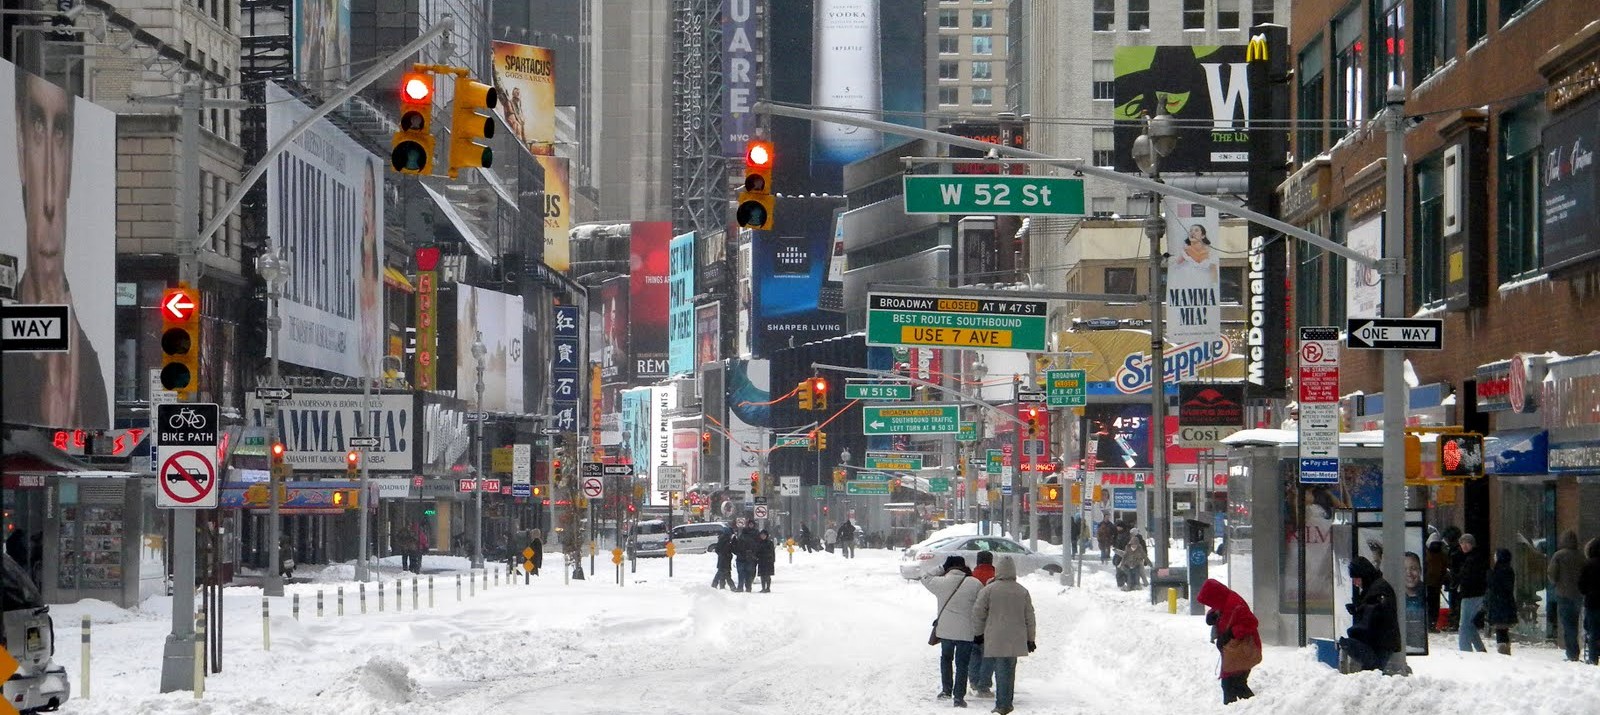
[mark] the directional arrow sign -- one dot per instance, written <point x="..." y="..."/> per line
<point x="364" y="442"/>
<point x="1396" y="333"/>
<point x="36" y="328"/>
<point x="178" y="304"/>
<point x="923" y="418"/>
<point x="274" y="393"/>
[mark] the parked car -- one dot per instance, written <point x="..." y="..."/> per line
<point x="648" y="538"/>
<point x="924" y="559"/>
<point x="698" y="538"/>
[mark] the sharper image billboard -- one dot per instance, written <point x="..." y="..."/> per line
<point x="792" y="296"/>
<point x="1203" y="87"/>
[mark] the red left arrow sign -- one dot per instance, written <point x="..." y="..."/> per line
<point x="178" y="305"/>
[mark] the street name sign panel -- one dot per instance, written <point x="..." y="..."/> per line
<point x="938" y="485"/>
<point x="990" y="323"/>
<point x="894" y="461"/>
<point x="871" y="477"/>
<point x="1066" y="388"/>
<point x="882" y="391"/>
<point x="866" y="488"/>
<point x="788" y="440"/>
<point x="919" y="419"/>
<point x="991" y="194"/>
<point x="1395" y="333"/>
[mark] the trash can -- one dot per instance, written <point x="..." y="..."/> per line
<point x="1197" y="541"/>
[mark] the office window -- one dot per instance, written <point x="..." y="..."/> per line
<point x="949" y="95"/>
<point x="982" y="45"/>
<point x="1122" y="281"/>
<point x="1138" y="15"/>
<point x="949" y="69"/>
<point x="949" y="18"/>
<point x="983" y="96"/>
<point x="1427" y="257"/>
<point x="1227" y="14"/>
<point x="1509" y="9"/>
<point x="1104" y="148"/>
<point x="983" y="18"/>
<point x="1338" y="275"/>
<point x="1308" y="284"/>
<point x="1102" y="206"/>
<point x="1104" y="80"/>
<point x="949" y="44"/>
<point x="982" y="69"/>
<point x="1435" y="35"/>
<point x="1105" y="15"/>
<point x="1310" y="108"/>
<point x="1194" y="14"/>
<point x="1349" y="81"/>
<point x="1231" y="282"/>
<point x="1388" y="51"/>
<point x="1261" y="12"/>
<point x="1477" y="21"/>
<point x="1518" y="239"/>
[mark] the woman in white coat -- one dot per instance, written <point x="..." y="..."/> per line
<point x="1003" y="620"/>
<point x="956" y="591"/>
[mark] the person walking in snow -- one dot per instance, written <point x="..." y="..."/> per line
<point x="1003" y="623"/>
<point x="805" y="538"/>
<point x="1589" y="586"/>
<point x="1471" y="577"/>
<point x="828" y="538"/>
<point x="724" y="552"/>
<point x="1130" y="569"/>
<point x="1103" y="534"/>
<point x="1374" y="635"/>
<point x="766" y="560"/>
<point x="1500" y="600"/>
<point x="955" y="591"/>
<point x="1564" y="571"/>
<point x="980" y="674"/>
<point x="847" y="539"/>
<point x="744" y="555"/>
<point x="1235" y="631"/>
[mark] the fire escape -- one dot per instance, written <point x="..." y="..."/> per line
<point x="699" y="170"/>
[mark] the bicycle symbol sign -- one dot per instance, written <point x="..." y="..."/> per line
<point x="187" y="424"/>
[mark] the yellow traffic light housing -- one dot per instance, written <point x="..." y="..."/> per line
<point x="705" y="442"/>
<point x="755" y="197"/>
<point x="346" y="498"/>
<point x="807" y="400"/>
<point x="472" y="125"/>
<point x="1033" y="422"/>
<point x="821" y="441"/>
<point x="1460" y="455"/>
<point x="180" y="340"/>
<point x="352" y="462"/>
<point x="411" y="150"/>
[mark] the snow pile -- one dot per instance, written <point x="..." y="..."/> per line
<point x="381" y="679"/>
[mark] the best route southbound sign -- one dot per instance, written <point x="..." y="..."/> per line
<point x="925" y="418"/>
<point x="987" y="194"/>
<point x="1395" y="333"/>
<point x="896" y="320"/>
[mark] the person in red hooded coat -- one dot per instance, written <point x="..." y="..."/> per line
<point x="1235" y="631"/>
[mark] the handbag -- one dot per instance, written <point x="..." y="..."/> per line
<point x="1240" y="654"/>
<point x="933" y="633"/>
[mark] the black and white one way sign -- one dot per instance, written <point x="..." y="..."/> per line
<point x="35" y="328"/>
<point x="1396" y="333"/>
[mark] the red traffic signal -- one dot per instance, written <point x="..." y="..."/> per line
<point x="277" y="451"/>
<point x="416" y="88"/>
<point x="179" y="305"/>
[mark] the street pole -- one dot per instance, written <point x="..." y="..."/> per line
<point x="1159" y="139"/>
<point x="1016" y="461"/>
<point x="478" y="354"/>
<point x="1395" y="397"/>
<point x="278" y="268"/>
<point x="362" y="428"/>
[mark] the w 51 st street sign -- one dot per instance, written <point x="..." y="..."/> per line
<point x="1009" y="195"/>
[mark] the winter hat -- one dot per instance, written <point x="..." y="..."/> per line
<point x="1363" y="569"/>
<point x="954" y="562"/>
<point x="985" y="557"/>
<point x="1468" y="540"/>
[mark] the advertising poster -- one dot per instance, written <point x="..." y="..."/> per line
<point x="845" y="76"/>
<point x="566" y="385"/>
<point x="321" y="42"/>
<point x="789" y="278"/>
<point x="749" y="389"/>
<point x="496" y="319"/>
<point x="316" y="428"/>
<point x="707" y="333"/>
<point x="739" y="74"/>
<point x="58" y="191"/>
<point x="648" y="297"/>
<point x="614" y="366"/>
<point x="1366" y="539"/>
<point x="1119" y="435"/>
<point x="557" y="213"/>
<point x="1570" y="190"/>
<point x="525" y="76"/>
<point x="635" y="424"/>
<point x="663" y="399"/>
<point x="325" y="215"/>
<point x="1117" y="362"/>
<point x="1363" y="286"/>
<point x="1194" y="305"/>
<point x="1203" y="87"/>
<point x="680" y="312"/>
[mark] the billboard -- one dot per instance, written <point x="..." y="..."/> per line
<point x="325" y="215"/>
<point x="647" y="297"/>
<point x="316" y="428"/>
<point x="1204" y="87"/>
<point x="613" y="349"/>
<point x="1194" y="306"/>
<point x="1117" y="362"/>
<point x="557" y="213"/>
<point x="708" y="333"/>
<point x="739" y="74"/>
<point x="635" y="423"/>
<point x="321" y="42"/>
<point x="565" y="368"/>
<point x="845" y="76"/>
<point x="750" y="414"/>
<point x="663" y="400"/>
<point x="58" y="179"/>
<point x="792" y="290"/>
<point x="680" y="312"/>
<point x="1570" y="189"/>
<point x="496" y="319"/>
<point x="525" y="76"/>
<point x="1363" y="288"/>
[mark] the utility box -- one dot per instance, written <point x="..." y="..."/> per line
<point x="1197" y="541"/>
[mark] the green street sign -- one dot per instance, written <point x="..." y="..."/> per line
<point x="867" y="488"/>
<point x="995" y="461"/>
<point x="794" y="441"/>
<point x="968" y="433"/>
<point x="871" y="477"/>
<point x="987" y="323"/>
<point x="819" y="492"/>
<point x="926" y="418"/>
<point x="867" y="391"/>
<point x="894" y="461"/>
<point x="938" y="484"/>
<point x="989" y="194"/>
<point x="1066" y="388"/>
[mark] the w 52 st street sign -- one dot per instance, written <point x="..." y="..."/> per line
<point x="1009" y="195"/>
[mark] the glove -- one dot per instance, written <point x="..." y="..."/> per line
<point x="1351" y="608"/>
<point x="1031" y="646"/>
<point x="978" y="639"/>
<point x="1211" y="618"/>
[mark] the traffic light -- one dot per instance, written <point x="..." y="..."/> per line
<point x="819" y="392"/>
<point x="276" y="463"/>
<point x="277" y="452"/>
<point x="352" y="462"/>
<point x="346" y="498"/>
<point x="705" y="443"/>
<point x="807" y="400"/>
<point x="1049" y="494"/>
<point x="821" y="441"/>
<point x="555" y="471"/>
<point x="1460" y="455"/>
<point x="538" y="491"/>
<point x="755" y="484"/>
<point x="472" y="125"/>
<point x="755" y="197"/>
<point x="180" y="340"/>
<point x="411" y="150"/>
<point x="1033" y="422"/>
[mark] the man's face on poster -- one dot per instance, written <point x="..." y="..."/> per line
<point x="44" y="146"/>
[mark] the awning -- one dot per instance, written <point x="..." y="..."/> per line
<point x="30" y="454"/>
<point x="397" y="280"/>
<point x="1523" y="451"/>
<point x="479" y="246"/>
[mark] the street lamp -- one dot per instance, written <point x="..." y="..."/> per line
<point x="1160" y="137"/>
<point x="275" y="271"/>
<point x="478" y="353"/>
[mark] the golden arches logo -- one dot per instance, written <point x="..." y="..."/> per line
<point x="1256" y="49"/>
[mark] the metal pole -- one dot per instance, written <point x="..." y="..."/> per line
<point x="1395" y="397"/>
<point x="1016" y="463"/>
<point x="477" y="455"/>
<point x="362" y="429"/>
<point x="272" y="584"/>
<point x="1158" y="384"/>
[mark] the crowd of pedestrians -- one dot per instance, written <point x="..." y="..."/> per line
<point x="984" y="623"/>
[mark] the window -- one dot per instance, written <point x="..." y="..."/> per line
<point x="949" y="18"/>
<point x="982" y="69"/>
<point x="1308" y="284"/>
<point x="1138" y="15"/>
<point x="949" y="95"/>
<point x="1194" y="14"/>
<point x="1388" y="51"/>
<point x="1427" y="258"/>
<point x="983" y="18"/>
<point x="949" y="69"/>
<point x="1338" y="275"/>
<point x="1227" y="14"/>
<point x="982" y="96"/>
<point x="1105" y="15"/>
<point x="1122" y="281"/>
<point x="949" y="44"/>
<point x="1518" y="239"/>
<point x="1104" y="148"/>
<point x="1138" y="205"/>
<point x="1261" y="12"/>
<point x="1104" y="80"/>
<point x="1349" y="81"/>
<point x="1510" y="9"/>
<point x="1435" y="35"/>
<point x="1101" y="206"/>
<point x="1231" y="281"/>
<point x="1310" y="108"/>
<point x="1477" y="21"/>
<point x="982" y="45"/>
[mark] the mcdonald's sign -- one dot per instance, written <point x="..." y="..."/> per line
<point x="1256" y="49"/>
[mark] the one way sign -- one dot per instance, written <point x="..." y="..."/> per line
<point x="1396" y="333"/>
<point x="35" y="328"/>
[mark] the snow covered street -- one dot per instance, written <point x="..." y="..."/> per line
<point x="835" y="636"/>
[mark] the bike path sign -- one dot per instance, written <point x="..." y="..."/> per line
<point x="187" y="424"/>
<point x="188" y="479"/>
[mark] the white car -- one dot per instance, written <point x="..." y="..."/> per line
<point x="926" y="559"/>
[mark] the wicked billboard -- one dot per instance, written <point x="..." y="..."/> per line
<point x="1203" y="87"/>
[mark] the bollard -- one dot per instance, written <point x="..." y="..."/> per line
<point x="399" y="595"/>
<point x="319" y="603"/>
<point x="486" y="578"/>
<point x="496" y="581"/>
<point x="296" y="607"/>
<point x="83" y="670"/>
<point x="472" y="584"/>
<point x="430" y="592"/>
<point x="341" y="602"/>
<point x="363" y="588"/>
<point x="1172" y="600"/>
<point x="199" y="656"/>
<point x="266" y="624"/>
<point x="380" y="597"/>
<point x="413" y="593"/>
<point x="458" y="587"/>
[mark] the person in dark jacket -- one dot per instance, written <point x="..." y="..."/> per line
<point x="1453" y="556"/>
<point x="847" y="539"/>
<point x="980" y="671"/>
<point x="1500" y="600"/>
<point x="1235" y="631"/>
<point x="1471" y="577"/>
<point x="1103" y="535"/>
<point x="744" y="556"/>
<point x="724" y="551"/>
<point x="1565" y="568"/>
<point x="805" y="538"/>
<point x="1375" y="633"/>
<point x="1435" y="566"/>
<point x="766" y="560"/>
<point x="1589" y="586"/>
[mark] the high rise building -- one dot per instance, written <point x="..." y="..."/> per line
<point x="968" y="56"/>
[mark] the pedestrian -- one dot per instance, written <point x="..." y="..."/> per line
<point x="805" y="538"/>
<point x="1500" y="600"/>
<point x="744" y="558"/>
<point x="1236" y="633"/>
<point x="724" y="551"/>
<point x="536" y="542"/>
<point x="847" y="539"/>
<point x="1130" y="569"/>
<point x="1452" y="589"/>
<point x="1589" y="585"/>
<point x="1103" y="535"/>
<point x="405" y="543"/>
<point x="1003" y="622"/>
<point x="1374" y="633"/>
<point x="980" y="674"/>
<point x="1434" y="567"/>
<point x="1471" y="577"/>
<point x="829" y="537"/>
<point x="955" y="591"/>
<point x="1565" y="571"/>
<point x="766" y="560"/>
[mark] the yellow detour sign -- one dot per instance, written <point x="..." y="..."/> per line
<point x="527" y="553"/>
<point x="616" y="556"/>
<point x="789" y="544"/>
<point x="671" y="549"/>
